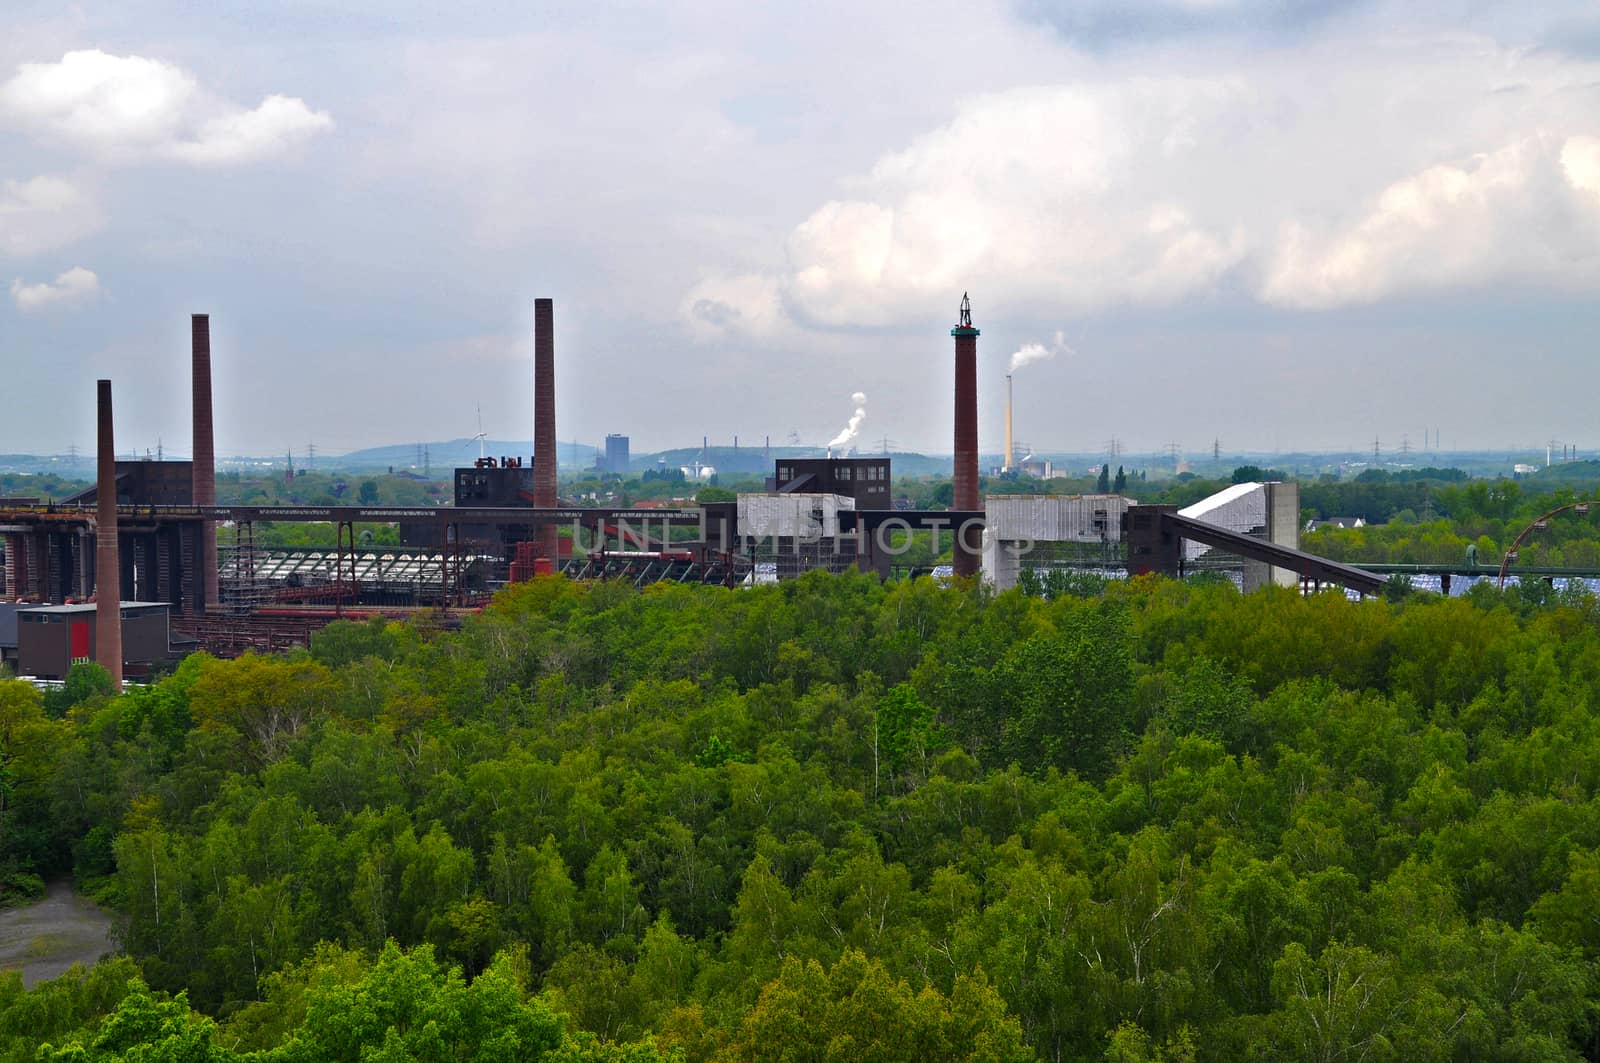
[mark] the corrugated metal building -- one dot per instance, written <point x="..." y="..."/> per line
<point x="1044" y="530"/>
<point x="795" y="532"/>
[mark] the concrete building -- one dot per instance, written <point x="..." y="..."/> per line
<point x="1268" y="511"/>
<point x="1089" y="531"/>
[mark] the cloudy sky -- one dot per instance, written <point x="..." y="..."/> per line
<point x="1281" y="224"/>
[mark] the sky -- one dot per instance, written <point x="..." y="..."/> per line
<point x="1267" y="224"/>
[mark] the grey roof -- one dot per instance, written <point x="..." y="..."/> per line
<point x="89" y="607"/>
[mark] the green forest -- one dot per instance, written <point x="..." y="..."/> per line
<point x="836" y="819"/>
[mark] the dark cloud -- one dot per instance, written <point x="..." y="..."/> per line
<point x="1108" y="23"/>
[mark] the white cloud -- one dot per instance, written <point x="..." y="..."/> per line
<point x="1504" y="215"/>
<point x="1580" y="161"/>
<point x="1026" y="190"/>
<point x="77" y="285"/>
<point x="249" y="135"/>
<point x="1444" y="163"/>
<point x="131" y="108"/>
<point x="43" y="213"/>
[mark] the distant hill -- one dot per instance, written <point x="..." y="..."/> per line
<point x="1586" y="472"/>
<point x="757" y="461"/>
<point x="454" y="453"/>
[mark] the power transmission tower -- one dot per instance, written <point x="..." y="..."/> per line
<point x="887" y="443"/>
<point x="311" y="456"/>
<point x="1375" y="449"/>
<point x="1216" y="449"/>
<point x="1173" y="452"/>
<point x="1405" y="445"/>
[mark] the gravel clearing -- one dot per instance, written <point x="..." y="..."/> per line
<point x="44" y="939"/>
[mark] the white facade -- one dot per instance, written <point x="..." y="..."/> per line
<point x="1055" y="518"/>
<point x="798" y="516"/>
<point x="1015" y="524"/>
<point x="1269" y="510"/>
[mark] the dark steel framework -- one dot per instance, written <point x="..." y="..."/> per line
<point x="1155" y="536"/>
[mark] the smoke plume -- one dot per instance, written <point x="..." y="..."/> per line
<point x="1038" y="352"/>
<point x="851" y="430"/>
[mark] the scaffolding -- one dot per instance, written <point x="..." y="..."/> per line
<point x="241" y="588"/>
<point x="254" y="577"/>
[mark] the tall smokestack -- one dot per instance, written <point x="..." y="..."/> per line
<point x="107" y="568"/>
<point x="1010" y="450"/>
<point x="204" y="484"/>
<point x="544" y="421"/>
<point x="968" y="545"/>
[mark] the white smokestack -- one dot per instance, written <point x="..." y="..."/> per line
<point x="851" y="430"/>
<point x="1011" y="451"/>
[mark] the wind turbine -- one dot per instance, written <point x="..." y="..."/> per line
<point x="481" y="436"/>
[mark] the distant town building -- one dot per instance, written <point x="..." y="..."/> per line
<point x="1335" y="522"/>
<point x="616" y="457"/>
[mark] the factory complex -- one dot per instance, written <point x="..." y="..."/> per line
<point x="145" y="565"/>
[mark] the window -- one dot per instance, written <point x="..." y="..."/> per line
<point x="844" y="472"/>
<point x="785" y="472"/>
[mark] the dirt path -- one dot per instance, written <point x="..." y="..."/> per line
<point x="44" y="939"/>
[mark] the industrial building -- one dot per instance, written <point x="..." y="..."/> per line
<point x="52" y="638"/>
<point x="1269" y="511"/>
<point x="1051" y="531"/>
<point x="1042" y="532"/>
<point x="8" y="635"/>
<point x="865" y="480"/>
<point x="789" y="534"/>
